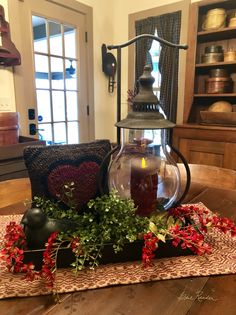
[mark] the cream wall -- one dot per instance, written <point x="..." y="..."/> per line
<point x="110" y="26"/>
<point x="103" y="33"/>
<point x="118" y="10"/>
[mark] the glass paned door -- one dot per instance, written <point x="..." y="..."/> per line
<point x="56" y="80"/>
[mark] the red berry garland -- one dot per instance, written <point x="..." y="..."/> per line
<point x="188" y="236"/>
<point x="184" y="226"/>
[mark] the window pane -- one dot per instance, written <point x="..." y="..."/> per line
<point x="58" y="105"/>
<point x="43" y="105"/>
<point x="55" y="51"/>
<point x="71" y="75"/>
<point x="41" y="71"/>
<point x="72" y="105"/>
<point x="73" y="132"/>
<point x="55" y="38"/>
<point x="155" y="53"/>
<point x="45" y="132"/>
<point x="57" y="73"/>
<point x="59" y="133"/>
<point x="39" y="33"/>
<point x="70" y="47"/>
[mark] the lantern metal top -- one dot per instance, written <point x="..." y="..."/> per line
<point x="145" y="110"/>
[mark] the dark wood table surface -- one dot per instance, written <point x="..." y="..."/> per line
<point x="214" y="295"/>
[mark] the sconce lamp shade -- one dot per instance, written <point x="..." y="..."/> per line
<point x="108" y="62"/>
<point x="145" y="113"/>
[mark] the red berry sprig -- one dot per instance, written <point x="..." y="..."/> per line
<point x="13" y="251"/>
<point x="49" y="261"/>
<point x="190" y="235"/>
<point x="189" y="238"/>
<point x="150" y="246"/>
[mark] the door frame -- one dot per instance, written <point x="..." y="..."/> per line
<point x="183" y="6"/>
<point x="22" y="83"/>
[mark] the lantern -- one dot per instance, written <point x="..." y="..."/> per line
<point x="144" y="169"/>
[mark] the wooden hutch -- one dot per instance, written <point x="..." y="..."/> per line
<point x="205" y="143"/>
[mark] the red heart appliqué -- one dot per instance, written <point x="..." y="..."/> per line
<point x="84" y="176"/>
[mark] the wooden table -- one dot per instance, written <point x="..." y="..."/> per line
<point x="214" y="295"/>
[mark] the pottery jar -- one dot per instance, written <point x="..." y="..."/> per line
<point x="230" y="55"/>
<point x="218" y="85"/>
<point x="232" y="22"/>
<point x="9" y="128"/>
<point x="213" y="53"/>
<point x="214" y="19"/>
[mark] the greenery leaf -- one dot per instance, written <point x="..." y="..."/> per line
<point x="161" y="237"/>
<point x="152" y="227"/>
<point x="170" y="222"/>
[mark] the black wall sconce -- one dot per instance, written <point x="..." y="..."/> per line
<point x="109" y="67"/>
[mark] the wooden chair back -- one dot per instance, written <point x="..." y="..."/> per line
<point x="19" y="190"/>
<point x="14" y="191"/>
<point x="211" y="176"/>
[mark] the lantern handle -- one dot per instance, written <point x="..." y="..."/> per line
<point x="128" y="43"/>
<point x="159" y="39"/>
<point x="188" y="176"/>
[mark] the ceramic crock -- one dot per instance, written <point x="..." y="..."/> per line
<point x="214" y="19"/>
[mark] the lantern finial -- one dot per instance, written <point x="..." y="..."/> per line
<point x="145" y="113"/>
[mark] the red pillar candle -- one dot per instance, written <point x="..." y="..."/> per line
<point x="143" y="185"/>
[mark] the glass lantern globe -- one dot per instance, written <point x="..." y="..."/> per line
<point x="144" y="171"/>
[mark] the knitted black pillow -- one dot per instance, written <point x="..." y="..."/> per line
<point x="51" y="167"/>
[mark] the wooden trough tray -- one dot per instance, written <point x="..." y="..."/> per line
<point x="218" y="118"/>
<point x="131" y="252"/>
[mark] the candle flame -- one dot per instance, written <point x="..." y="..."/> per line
<point x="143" y="163"/>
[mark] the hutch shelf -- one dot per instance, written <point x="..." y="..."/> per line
<point x="209" y="144"/>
